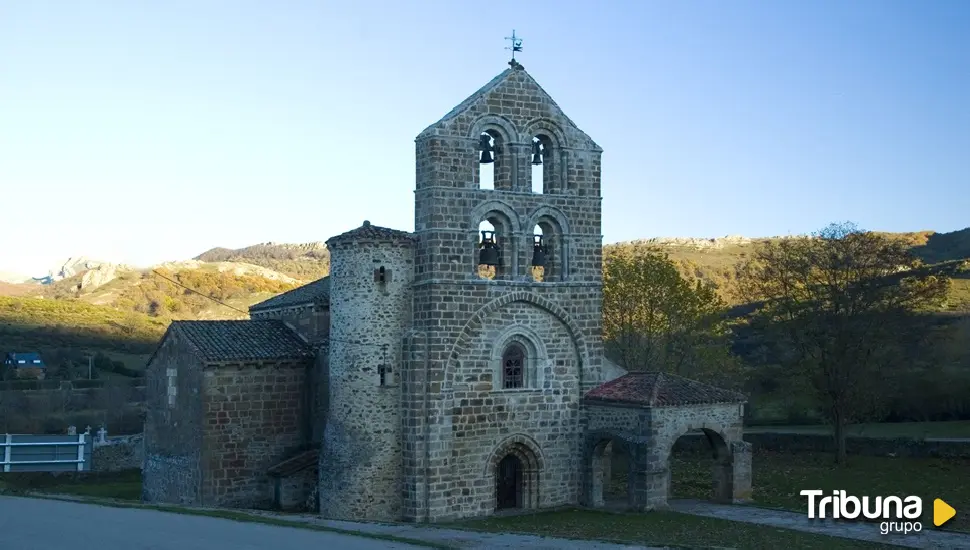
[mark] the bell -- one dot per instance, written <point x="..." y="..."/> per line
<point x="538" y="253"/>
<point x="485" y="145"/>
<point x="536" y="154"/>
<point x="488" y="254"/>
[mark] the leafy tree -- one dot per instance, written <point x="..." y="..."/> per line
<point x="836" y="306"/>
<point x="655" y="319"/>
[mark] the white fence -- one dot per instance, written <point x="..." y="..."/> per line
<point x="46" y="453"/>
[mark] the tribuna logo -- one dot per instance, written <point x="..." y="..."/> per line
<point x="841" y="506"/>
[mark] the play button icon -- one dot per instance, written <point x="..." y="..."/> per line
<point x="942" y="512"/>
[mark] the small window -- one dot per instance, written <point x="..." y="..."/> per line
<point x="36" y="361"/>
<point x="513" y="367"/>
<point x="382" y="371"/>
<point x="21" y="361"/>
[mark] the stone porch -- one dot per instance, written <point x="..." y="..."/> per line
<point x="645" y="413"/>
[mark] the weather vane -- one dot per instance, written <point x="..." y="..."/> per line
<point x="515" y="47"/>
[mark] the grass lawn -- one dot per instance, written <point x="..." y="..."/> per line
<point x="124" y="485"/>
<point x="659" y="529"/>
<point x="917" y="430"/>
<point x="778" y="478"/>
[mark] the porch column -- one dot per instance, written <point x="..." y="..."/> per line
<point x="648" y="478"/>
<point x="740" y="471"/>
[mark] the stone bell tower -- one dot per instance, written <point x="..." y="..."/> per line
<point x="501" y="351"/>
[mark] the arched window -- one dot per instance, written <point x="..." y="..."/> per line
<point x="489" y="253"/>
<point x="513" y="367"/>
<point x="486" y="161"/>
<point x="538" y="260"/>
<point x="494" y="248"/>
<point x="543" y="171"/>
<point x="538" y="182"/>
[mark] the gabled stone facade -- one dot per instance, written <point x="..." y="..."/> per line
<point x="437" y="393"/>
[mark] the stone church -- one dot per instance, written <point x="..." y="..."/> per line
<point x="435" y="374"/>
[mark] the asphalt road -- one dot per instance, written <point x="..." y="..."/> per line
<point x="39" y="524"/>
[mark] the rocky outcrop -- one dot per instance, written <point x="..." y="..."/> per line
<point x="715" y="243"/>
<point x="237" y="269"/>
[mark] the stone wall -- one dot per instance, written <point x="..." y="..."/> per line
<point x="311" y="321"/>
<point x="725" y="420"/>
<point x="866" y="446"/>
<point x="360" y="464"/>
<point x="254" y="416"/>
<point x="119" y="453"/>
<point x="173" y="425"/>
<point x="453" y="304"/>
<point x="294" y="490"/>
<point x="545" y="413"/>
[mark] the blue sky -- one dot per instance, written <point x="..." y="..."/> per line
<point x="149" y="131"/>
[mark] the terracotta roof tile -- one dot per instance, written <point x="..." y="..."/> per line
<point x="658" y="389"/>
<point x="243" y="340"/>
<point x="294" y="464"/>
<point x="311" y="293"/>
<point x="371" y="232"/>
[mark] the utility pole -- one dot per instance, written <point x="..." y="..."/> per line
<point x="90" y="366"/>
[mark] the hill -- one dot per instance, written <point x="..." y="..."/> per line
<point x="714" y="259"/>
<point x="308" y="261"/>
<point x="122" y="311"/>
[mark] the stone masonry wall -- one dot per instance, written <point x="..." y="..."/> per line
<point x="173" y="431"/>
<point x="671" y="423"/>
<point x="451" y="301"/>
<point x="866" y="446"/>
<point x="485" y="415"/>
<point x="295" y="488"/>
<point x="254" y="417"/>
<point x="618" y="421"/>
<point x="361" y="461"/>
<point x="312" y="322"/>
<point x="119" y="453"/>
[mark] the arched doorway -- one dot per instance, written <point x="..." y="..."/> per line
<point x="508" y="483"/>
<point x="700" y="467"/>
<point x="514" y="470"/>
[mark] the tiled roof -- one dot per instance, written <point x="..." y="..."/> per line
<point x="371" y="232"/>
<point x="310" y="293"/>
<point x="243" y="340"/>
<point x="292" y="465"/>
<point x="659" y="389"/>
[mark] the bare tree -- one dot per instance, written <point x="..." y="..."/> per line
<point x="836" y="305"/>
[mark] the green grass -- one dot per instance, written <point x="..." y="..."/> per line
<point x="916" y="430"/>
<point x="125" y="485"/>
<point x="659" y="529"/>
<point x="778" y="478"/>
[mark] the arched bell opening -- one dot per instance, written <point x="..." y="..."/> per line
<point x="494" y="247"/>
<point x="542" y="161"/>
<point x="494" y="168"/>
<point x="548" y="251"/>
<point x="538" y="261"/>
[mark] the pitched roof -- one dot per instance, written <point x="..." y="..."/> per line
<point x="243" y="340"/>
<point x="299" y="462"/>
<point x="660" y="389"/>
<point x="310" y="293"/>
<point x="367" y="231"/>
<point x="512" y="72"/>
